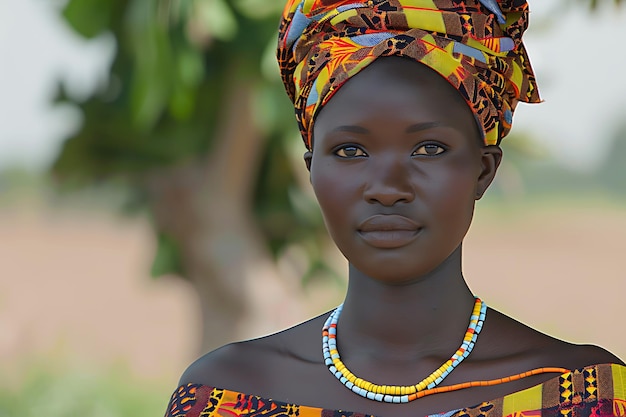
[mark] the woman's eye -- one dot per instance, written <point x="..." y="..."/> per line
<point x="429" y="150"/>
<point x="350" y="152"/>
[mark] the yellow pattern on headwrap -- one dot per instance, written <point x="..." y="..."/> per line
<point x="475" y="44"/>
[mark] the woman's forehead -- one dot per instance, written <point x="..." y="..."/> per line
<point x="399" y="89"/>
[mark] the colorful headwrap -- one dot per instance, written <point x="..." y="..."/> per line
<point x="475" y="44"/>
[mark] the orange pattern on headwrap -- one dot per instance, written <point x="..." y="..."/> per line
<point x="475" y="44"/>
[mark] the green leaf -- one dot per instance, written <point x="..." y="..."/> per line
<point x="167" y="259"/>
<point x="88" y="17"/>
<point x="218" y="17"/>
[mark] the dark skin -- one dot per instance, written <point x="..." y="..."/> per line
<point x="396" y="178"/>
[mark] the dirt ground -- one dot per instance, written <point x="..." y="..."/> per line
<point x="76" y="283"/>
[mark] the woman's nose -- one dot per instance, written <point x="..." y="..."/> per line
<point x="389" y="182"/>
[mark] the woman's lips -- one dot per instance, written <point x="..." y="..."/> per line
<point x="388" y="231"/>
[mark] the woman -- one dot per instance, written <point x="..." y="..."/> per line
<point x="402" y="105"/>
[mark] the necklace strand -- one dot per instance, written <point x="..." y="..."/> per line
<point x="396" y="393"/>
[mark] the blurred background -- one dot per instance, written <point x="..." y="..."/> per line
<point x="154" y="204"/>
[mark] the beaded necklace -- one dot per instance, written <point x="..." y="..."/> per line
<point x="395" y="393"/>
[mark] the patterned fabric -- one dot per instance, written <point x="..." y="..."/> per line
<point x="598" y="391"/>
<point x="475" y="44"/>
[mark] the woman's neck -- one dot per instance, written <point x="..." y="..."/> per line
<point x="425" y="317"/>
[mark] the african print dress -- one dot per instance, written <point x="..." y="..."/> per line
<point x="598" y="391"/>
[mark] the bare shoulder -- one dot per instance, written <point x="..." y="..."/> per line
<point x="232" y="361"/>
<point x="534" y="348"/>
<point x="253" y="365"/>
<point x="579" y="356"/>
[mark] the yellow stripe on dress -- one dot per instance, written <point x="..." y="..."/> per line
<point x="619" y="382"/>
<point x="528" y="399"/>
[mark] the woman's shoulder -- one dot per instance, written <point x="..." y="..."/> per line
<point x="523" y="341"/>
<point x="584" y="355"/>
<point x="244" y="366"/>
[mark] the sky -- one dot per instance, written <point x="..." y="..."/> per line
<point x="576" y="58"/>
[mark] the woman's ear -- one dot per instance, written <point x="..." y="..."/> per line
<point x="491" y="156"/>
<point x="308" y="155"/>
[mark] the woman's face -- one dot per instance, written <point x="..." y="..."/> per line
<point x="396" y="166"/>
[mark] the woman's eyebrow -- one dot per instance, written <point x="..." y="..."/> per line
<point x="350" y="128"/>
<point x="424" y="126"/>
<point x="411" y="129"/>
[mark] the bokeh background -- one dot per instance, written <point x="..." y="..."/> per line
<point x="154" y="203"/>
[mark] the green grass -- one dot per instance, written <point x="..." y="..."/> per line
<point x="57" y="391"/>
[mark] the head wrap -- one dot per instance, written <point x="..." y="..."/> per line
<point x="475" y="44"/>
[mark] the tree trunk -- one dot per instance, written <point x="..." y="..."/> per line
<point x="207" y="208"/>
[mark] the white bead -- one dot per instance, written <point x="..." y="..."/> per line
<point x="330" y="344"/>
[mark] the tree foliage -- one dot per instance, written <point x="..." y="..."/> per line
<point x="173" y="71"/>
<point x="594" y="4"/>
